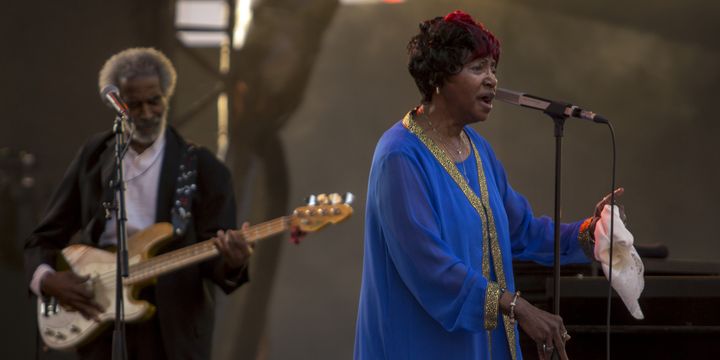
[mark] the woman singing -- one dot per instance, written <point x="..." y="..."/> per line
<point x="443" y="224"/>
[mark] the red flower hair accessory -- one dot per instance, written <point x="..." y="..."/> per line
<point x="487" y="43"/>
<point x="463" y="18"/>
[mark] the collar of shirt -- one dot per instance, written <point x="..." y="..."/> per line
<point x="135" y="164"/>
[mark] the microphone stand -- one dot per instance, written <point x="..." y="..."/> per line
<point x="119" y="344"/>
<point x="556" y="111"/>
<point x="559" y="112"/>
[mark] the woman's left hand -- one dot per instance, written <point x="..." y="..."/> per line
<point x="607" y="200"/>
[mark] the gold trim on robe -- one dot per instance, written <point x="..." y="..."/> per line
<point x="489" y="236"/>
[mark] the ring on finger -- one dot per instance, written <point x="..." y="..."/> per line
<point x="548" y="348"/>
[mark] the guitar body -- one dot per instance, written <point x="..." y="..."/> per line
<point x="63" y="329"/>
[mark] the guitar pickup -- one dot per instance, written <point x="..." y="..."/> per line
<point x="49" y="307"/>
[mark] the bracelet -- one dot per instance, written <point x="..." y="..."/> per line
<point x="585" y="226"/>
<point x="586" y="238"/>
<point x="512" y="306"/>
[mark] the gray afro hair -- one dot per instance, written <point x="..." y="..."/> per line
<point x="135" y="62"/>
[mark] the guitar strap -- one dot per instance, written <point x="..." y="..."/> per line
<point x="185" y="189"/>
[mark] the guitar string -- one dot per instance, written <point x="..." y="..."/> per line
<point x="157" y="263"/>
<point x="192" y="250"/>
<point x="142" y="271"/>
<point x="256" y="231"/>
<point x="150" y="264"/>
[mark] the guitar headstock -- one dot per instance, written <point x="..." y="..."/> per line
<point x="321" y="210"/>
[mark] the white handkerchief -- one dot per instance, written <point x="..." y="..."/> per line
<point x="628" y="269"/>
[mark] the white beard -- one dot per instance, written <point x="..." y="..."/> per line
<point x="149" y="138"/>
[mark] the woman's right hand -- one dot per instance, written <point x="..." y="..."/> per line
<point x="546" y="329"/>
<point x="72" y="292"/>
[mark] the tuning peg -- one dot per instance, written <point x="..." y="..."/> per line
<point x="322" y="199"/>
<point x="335" y="198"/>
<point x="349" y="198"/>
<point x="311" y="200"/>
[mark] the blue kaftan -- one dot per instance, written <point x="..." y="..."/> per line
<point x="423" y="291"/>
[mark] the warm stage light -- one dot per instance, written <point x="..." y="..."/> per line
<point x="243" y="18"/>
<point x="201" y="23"/>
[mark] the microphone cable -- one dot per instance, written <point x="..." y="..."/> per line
<point x="128" y="138"/>
<point x="126" y="146"/>
<point x="612" y="224"/>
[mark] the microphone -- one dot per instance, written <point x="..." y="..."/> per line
<point x="111" y="97"/>
<point x="548" y="106"/>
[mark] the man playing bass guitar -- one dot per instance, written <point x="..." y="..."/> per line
<point x="156" y="164"/>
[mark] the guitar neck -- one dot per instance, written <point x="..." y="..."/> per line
<point x="193" y="254"/>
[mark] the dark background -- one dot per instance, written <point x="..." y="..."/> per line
<point x="651" y="67"/>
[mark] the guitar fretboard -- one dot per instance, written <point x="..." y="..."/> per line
<point x="201" y="251"/>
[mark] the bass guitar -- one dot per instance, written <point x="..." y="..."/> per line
<point x="62" y="329"/>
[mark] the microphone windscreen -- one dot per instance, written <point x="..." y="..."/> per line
<point x="109" y="89"/>
<point x="508" y="96"/>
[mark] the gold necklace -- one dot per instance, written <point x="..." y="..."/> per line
<point x="457" y="159"/>
<point x="459" y="150"/>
